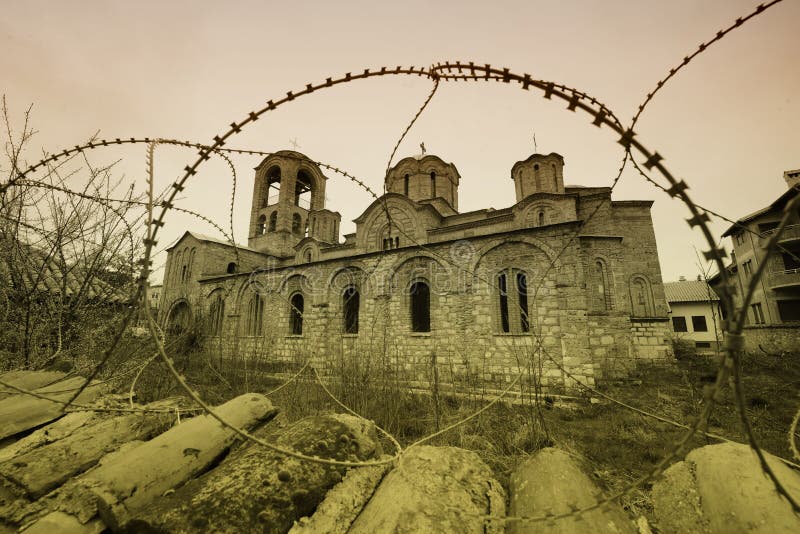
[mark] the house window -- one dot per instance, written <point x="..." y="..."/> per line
<point x="273" y="221"/>
<point x="758" y="313"/>
<point x="215" y="316"/>
<point x="513" y="301"/>
<point x="679" y="324"/>
<point x="350" y="305"/>
<point x="747" y="267"/>
<point x="405" y="185"/>
<point x="420" y="307"/>
<point x="296" y="314"/>
<point x="789" y="310"/>
<point x="433" y="185"/>
<point x="699" y="323"/>
<point x="255" y="316"/>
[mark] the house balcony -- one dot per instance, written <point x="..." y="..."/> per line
<point x="788" y="279"/>
<point x="790" y="234"/>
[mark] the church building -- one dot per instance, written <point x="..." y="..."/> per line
<point x="565" y="278"/>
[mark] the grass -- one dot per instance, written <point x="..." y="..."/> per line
<point x="617" y="445"/>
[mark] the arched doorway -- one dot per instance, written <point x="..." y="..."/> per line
<point x="179" y="318"/>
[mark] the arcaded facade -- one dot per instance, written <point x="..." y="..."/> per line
<point x="564" y="277"/>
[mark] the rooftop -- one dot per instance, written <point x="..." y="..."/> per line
<point x="689" y="291"/>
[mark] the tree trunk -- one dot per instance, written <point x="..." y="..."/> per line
<point x="23" y="412"/>
<point x="37" y="472"/>
<point x="138" y="475"/>
<point x="257" y="490"/>
<point x="29" y="380"/>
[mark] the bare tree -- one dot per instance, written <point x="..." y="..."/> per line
<point x="66" y="254"/>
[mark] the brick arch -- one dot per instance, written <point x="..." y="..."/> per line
<point x="440" y="277"/>
<point x="376" y="223"/>
<point x="538" y="243"/>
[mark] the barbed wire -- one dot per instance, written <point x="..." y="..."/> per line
<point x="602" y="117"/>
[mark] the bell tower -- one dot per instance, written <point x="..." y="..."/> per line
<point x="289" y="195"/>
<point x="424" y="178"/>
<point x="538" y="174"/>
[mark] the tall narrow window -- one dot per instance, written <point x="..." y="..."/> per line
<point x="273" y="186"/>
<point x="536" y="177"/>
<point x="522" y="294"/>
<point x="350" y="306"/>
<point x="603" y="295"/>
<point x="261" y="227"/>
<point x="541" y="218"/>
<point x="405" y="185"/>
<point x="255" y="316"/>
<point x="303" y="190"/>
<point x="273" y="221"/>
<point x="420" y="307"/>
<point x="502" y="287"/>
<point x="297" y="224"/>
<point x="216" y="314"/>
<point x="433" y="184"/>
<point x="296" y="314"/>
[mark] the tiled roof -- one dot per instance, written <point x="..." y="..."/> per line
<point x="689" y="291"/>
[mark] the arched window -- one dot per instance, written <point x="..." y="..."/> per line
<point x="296" y="314"/>
<point x="255" y="316"/>
<point x="215" y="315"/>
<point x="231" y="269"/>
<point x="433" y="184"/>
<point x="405" y="185"/>
<point x="540" y="218"/>
<point x="297" y="224"/>
<point x="522" y="300"/>
<point x="602" y="297"/>
<point x="302" y="190"/>
<point x="512" y="299"/>
<point x="273" y="221"/>
<point x="536" y="178"/>
<point x="420" y="307"/>
<point x="502" y="292"/>
<point x="261" y="227"/>
<point x="190" y="264"/>
<point x="350" y="305"/>
<point x="272" y="194"/>
<point x="308" y="256"/>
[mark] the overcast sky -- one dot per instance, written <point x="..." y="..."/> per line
<point x="727" y="123"/>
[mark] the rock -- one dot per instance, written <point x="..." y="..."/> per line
<point x="721" y="488"/>
<point x="258" y="490"/>
<point x="343" y="503"/>
<point x="551" y="483"/>
<point x="433" y="489"/>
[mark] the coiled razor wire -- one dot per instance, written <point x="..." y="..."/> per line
<point x="576" y="100"/>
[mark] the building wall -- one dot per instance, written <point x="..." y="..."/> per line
<point x="595" y="299"/>
<point x="713" y="319"/>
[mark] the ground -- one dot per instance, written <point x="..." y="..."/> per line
<point x="617" y="444"/>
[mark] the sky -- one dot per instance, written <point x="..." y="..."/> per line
<point x="727" y="123"/>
